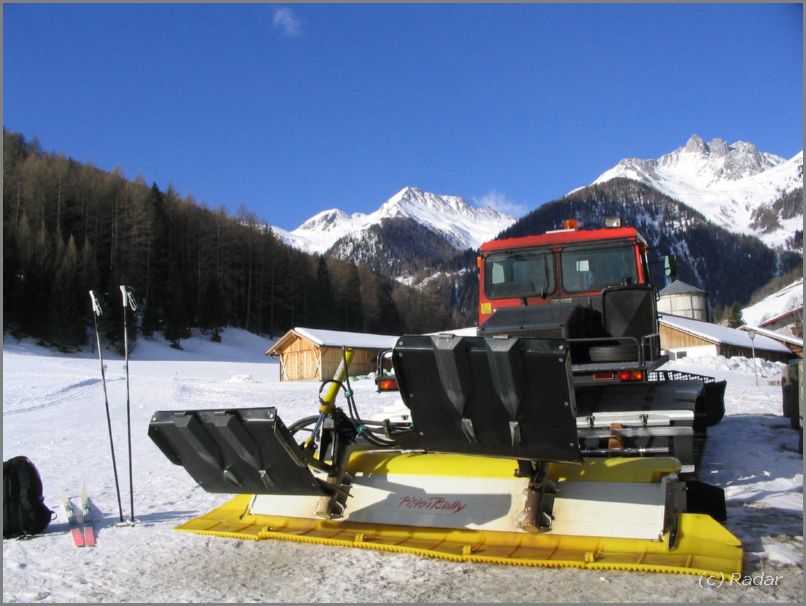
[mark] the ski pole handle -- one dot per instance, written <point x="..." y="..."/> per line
<point x="96" y="306"/>
<point x="128" y="297"/>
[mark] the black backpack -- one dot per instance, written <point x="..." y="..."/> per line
<point x="24" y="512"/>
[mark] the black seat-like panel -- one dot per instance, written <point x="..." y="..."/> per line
<point x="243" y="451"/>
<point x="493" y="397"/>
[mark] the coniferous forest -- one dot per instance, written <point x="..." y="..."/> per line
<point x="70" y="227"/>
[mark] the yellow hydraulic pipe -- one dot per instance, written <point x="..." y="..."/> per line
<point x="328" y="399"/>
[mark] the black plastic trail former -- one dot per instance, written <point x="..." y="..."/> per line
<point x="235" y="451"/>
<point x="493" y="397"/>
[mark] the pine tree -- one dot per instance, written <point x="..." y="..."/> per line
<point x="11" y="271"/>
<point x="67" y="317"/>
<point x="370" y="298"/>
<point x="322" y="307"/>
<point x="212" y="315"/>
<point x="735" y="319"/>
<point x="178" y="314"/>
<point x="155" y="279"/>
<point x="37" y="281"/>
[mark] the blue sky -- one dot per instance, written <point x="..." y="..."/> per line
<point x="293" y="109"/>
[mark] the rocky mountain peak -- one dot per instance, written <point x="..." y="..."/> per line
<point x="695" y="145"/>
<point x="731" y="183"/>
<point x="719" y="147"/>
<point x="458" y="223"/>
<point x="324" y="220"/>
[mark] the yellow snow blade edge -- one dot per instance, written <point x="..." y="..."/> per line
<point x="704" y="546"/>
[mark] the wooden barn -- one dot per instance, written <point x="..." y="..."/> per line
<point x="684" y="336"/>
<point x="314" y="354"/>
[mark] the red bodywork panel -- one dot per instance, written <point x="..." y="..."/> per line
<point x="564" y="237"/>
<point x="556" y="241"/>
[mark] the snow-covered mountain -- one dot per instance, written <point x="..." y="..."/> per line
<point x="460" y="224"/>
<point x="727" y="265"/>
<point x="735" y="185"/>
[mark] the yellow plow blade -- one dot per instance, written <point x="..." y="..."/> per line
<point x="704" y="546"/>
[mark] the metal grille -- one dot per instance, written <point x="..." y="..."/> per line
<point x="677" y="375"/>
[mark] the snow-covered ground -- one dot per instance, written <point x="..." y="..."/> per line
<point x="53" y="412"/>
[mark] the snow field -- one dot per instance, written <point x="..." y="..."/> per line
<point x="53" y="412"/>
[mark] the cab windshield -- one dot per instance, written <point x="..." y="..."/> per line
<point x="523" y="274"/>
<point x="589" y="268"/>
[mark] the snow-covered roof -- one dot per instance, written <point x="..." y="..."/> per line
<point x="794" y="313"/>
<point x="721" y="334"/>
<point x="678" y="287"/>
<point x="777" y="336"/>
<point x="336" y="338"/>
<point x="775" y="305"/>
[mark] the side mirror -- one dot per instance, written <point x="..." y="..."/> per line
<point x="670" y="265"/>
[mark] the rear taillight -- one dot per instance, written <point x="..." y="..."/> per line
<point x="603" y="376"/>
<point x="387" y="385"/>
<point x="631" y="375"/>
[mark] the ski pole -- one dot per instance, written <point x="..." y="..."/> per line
<point x="97" y="313"/>
<point x="128" y="301"/>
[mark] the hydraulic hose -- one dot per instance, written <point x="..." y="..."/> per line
<point x="363" y="428"/>
<point x="300" y="423"/>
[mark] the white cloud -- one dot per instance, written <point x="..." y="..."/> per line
<point x="286" y="21"/>
<point x="500" y="202"/>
